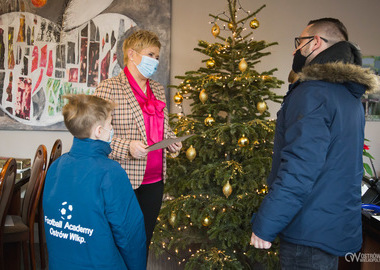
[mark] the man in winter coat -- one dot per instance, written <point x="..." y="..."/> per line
<point x="92" y="216"/>
<point x="314" y="199"/>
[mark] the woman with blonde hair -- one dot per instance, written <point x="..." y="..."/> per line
<point x="140" y="120"/>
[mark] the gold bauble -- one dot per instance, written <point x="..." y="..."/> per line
<point x="172" y="219"/>
<point x="243" y="141"/>
<point x="206" y="221"/>
<point x="215" y="30"/>
<point x="178" y="98"/>
<point x="210" y="63"/>
<point x="261" y="107"/>
<point x="191" y="153"/>
<point x="203" y="96"/>
<point x="254" y="23"/>
<point x="243" y="65"/>
<point x="230" y="25"/>
<point x="227" y="189"/>
<point x="209" y="120"/>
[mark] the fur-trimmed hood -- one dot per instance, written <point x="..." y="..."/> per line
<point x="339" y="72"/>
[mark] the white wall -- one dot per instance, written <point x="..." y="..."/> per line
<point x="280" y="21"/>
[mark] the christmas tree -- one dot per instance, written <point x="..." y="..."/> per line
<point x="218" y="180"/>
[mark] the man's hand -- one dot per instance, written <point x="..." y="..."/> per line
<point x="259" y="243"/>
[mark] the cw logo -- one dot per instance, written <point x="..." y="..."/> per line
<point x="352" y="257"/>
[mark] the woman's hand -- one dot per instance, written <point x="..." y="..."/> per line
<point x="175" y="147"/>
<point x="138" y="149"/>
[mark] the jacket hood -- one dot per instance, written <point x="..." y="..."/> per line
<point x="339" y="72"/>
<point x="343" y="51"/>
<point x="341" y="63"/>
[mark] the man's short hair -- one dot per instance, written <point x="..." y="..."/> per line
<point x="82" y="112"/>
<point x="333" y="28"/>
<point x="140" y="40"/>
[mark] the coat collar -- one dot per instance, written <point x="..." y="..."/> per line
<point x="89" y="147"/>
<point x="338" y="72"/>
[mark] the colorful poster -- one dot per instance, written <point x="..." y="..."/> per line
<point x="64" y="49"/>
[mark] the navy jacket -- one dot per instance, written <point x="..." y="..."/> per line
<point x="92" y="217"/>
<point x="314" y="194"/>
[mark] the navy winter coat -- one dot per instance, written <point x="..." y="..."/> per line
<point x="314" y="194"/>
<point x="92" y="217"/>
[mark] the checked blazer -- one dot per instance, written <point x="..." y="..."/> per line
<point x="128" y="124"/>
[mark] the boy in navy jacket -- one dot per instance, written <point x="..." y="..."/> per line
<point x="92" y="217"/>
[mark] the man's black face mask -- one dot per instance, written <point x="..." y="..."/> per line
<point x="299" y="60"/>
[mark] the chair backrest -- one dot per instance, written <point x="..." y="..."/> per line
<point x="7" y="183"/>
<point x="56" y="151"/>
<point x="35" y="186"/>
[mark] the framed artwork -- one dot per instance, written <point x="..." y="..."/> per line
<point x="67" y="47"/>
<point x="371" y="102"/>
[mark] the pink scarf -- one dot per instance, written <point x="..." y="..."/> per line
<point x="153" y="110"/>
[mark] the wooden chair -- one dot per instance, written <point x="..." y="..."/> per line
<point x="23" y="229"/>
<point x="55" y="153"/>
<point x="7" y="183"/>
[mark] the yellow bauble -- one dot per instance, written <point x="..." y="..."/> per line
<point x="172" y="219"/>
<point x="209" y="120"/>
<point x="230" y="25"/>
<point x="215" y="30"/>
<point x="191" y="153"/>
<point x="203" y="96"/>
<point x="261" y="107"/>
<point x="210" y="63"/>
<point x="243" y="65"/>
<point x="243" y="141"/>
<point x="206" y="221"/>
<point x="227" y="189"/>
<point x="254" y="23"/>
<point x="178" y="98"/>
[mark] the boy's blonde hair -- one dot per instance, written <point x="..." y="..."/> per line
<point x="138" y="41"/>
<point x="82" y="112"/>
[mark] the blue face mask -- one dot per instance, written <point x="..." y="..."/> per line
<point x="147" y="66"/>
<point x="111" y="134"/>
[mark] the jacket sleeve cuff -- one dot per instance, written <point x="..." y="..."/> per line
<point x="260" y="227"/>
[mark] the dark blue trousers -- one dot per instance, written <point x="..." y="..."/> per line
<point x="300" y="257"/>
